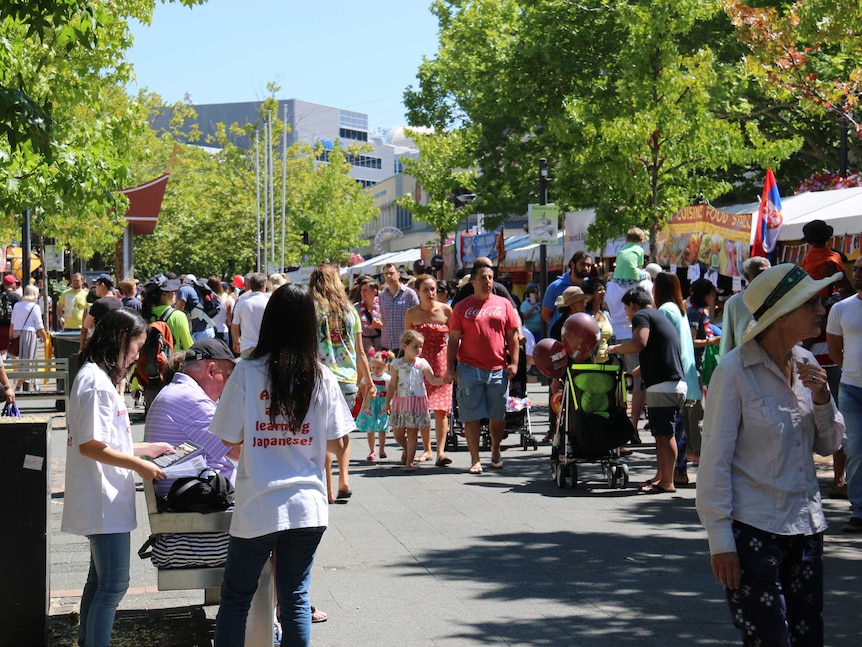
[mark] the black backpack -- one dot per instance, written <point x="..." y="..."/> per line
<point x="208" y="300"/>
<point x="6" y="306"/>
<point x="209" y="491"/>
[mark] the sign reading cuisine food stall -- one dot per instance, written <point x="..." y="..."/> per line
<point x="705" y="235"/>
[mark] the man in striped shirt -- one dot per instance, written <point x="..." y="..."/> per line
<point x="395" y="300"/>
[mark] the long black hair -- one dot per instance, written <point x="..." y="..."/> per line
<point x="288" y="334"/>
<point x="111" y="339"/>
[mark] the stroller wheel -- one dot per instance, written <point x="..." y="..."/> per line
<point x="623" y="476"/>
<point x="560" y="476"/>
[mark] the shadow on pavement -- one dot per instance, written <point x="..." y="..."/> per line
<point x="178" y="627"/>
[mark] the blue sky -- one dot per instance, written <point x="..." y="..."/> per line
<point x="353" y="54"/>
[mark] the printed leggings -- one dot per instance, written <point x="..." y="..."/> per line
<point x="780" y="600"/>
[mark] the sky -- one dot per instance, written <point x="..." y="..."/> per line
<point x="353" y="54"/>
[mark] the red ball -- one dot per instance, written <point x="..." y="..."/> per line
<point x="557" y="401"/>
<point x="550" y="358"/>
<point x="581" y="336"/>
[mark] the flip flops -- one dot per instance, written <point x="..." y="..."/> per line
<point x="443" y="462"/>
<point x="654" y="488"/>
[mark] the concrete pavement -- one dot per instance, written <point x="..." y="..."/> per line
<point x="445" y="558"/>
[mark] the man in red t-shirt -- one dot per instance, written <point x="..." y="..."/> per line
<point x="483" y="327"/>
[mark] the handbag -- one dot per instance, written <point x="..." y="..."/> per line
<point x="710" y="362"/>
<point x="186" y="550"/>
<point x="15" y="342"/>
<point x="11" y="410"/>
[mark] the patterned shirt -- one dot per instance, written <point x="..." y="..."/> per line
<point x="336" y="343"/>
<point x="393" y="309"/>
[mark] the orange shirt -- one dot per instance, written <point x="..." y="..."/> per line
<point x="821" y="262"/>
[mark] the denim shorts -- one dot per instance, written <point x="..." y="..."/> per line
<point x="481" y="393"/>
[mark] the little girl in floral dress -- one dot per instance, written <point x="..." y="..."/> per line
<point x="406" y="399"/>
<point x="373" y="418"/>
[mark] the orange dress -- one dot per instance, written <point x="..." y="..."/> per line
<point x="434" y="352"/>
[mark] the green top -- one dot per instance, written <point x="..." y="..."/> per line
<point x="179" y="325"/>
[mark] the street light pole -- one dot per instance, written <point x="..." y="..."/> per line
<point x="543" y="249"/>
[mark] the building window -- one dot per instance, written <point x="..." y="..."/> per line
<point x="366" y="183"/>
<point x="362" y="161"/>
<point x="357" y="135"/>
<point x="403" y="218"/>
<point x="398" y="166"/>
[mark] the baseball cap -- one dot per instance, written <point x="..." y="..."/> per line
<point x="209" y="349"/>
<point x="105" y="279"/>
<point x="190" y="279"/>
<point x="10" y="279"/>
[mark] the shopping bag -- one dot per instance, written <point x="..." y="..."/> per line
<point x="710" y="361"/>
<point x="11" y="410"/>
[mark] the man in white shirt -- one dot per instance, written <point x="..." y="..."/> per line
<point x="248" y="315"/>
<point x="736" y="315"/>
<point x="614" y="292"/>
<point x="844" y="337"/>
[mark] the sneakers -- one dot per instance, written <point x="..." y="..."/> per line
<point x="838" y="491"/>
<point x="854" y="525"/>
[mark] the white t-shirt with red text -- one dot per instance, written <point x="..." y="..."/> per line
<point x="483" y="326"/>
<point x="280" y="482"/>
<point x="99" y="498"/>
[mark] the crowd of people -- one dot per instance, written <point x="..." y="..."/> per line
<point x="386" y="358"/>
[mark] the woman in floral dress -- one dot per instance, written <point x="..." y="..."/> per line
<point x="431" y="318"/>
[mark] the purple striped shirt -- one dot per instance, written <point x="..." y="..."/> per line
<point x="183" y="411"/>
<point x="393" y="310"/>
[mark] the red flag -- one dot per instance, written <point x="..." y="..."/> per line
<point x="769" y="218"/>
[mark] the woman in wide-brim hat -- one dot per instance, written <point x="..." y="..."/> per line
<point x="768" y="409"/>
<point x="572" y="300"/>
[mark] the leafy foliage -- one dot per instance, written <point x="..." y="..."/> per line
<point x="638" y="104"/>
<point x="441" y="155"/>
<point x="65" y="122"/>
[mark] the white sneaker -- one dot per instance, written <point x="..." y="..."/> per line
<point x="276" y="629"/>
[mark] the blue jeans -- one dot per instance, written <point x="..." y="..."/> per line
<point x="245" y="559"/>
<point x="850" y="398"/>
<point x="106" y="585"/>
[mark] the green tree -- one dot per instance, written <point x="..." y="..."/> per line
<point x="638" y="104"/>
<point x="440" y="172"/>
<point x="327" y="203"/>
<point x="65" y="123"/>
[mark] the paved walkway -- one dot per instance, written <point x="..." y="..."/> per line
<point x="442" y="557"/>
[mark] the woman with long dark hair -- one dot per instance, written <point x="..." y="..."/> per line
<point x="667" y="295"/>
<point x="287" y="411"/>
<point x="101" y="463"/>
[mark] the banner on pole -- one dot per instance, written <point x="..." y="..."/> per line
<point x="543" y="219"/>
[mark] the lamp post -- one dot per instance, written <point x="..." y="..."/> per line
<point x="543" y="250"/>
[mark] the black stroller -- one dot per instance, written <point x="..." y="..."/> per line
<point x="592" y="424"/>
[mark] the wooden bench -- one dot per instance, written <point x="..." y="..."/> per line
<point x="40" y="368"/>
<point x="259" y="627"/>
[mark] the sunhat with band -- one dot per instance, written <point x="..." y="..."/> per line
<point x="570" y="295"/>
<point x="779" y="291"/>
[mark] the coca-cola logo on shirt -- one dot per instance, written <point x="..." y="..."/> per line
<point x="489" y="311"/>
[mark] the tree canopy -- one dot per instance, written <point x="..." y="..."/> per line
<point x="443" y="170"/>
<point x="65" y="121"/>
<point x="639" y="105"/>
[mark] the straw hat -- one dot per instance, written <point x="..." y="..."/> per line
<point x="569" y="296"/>
<point x="779" y="291"/>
